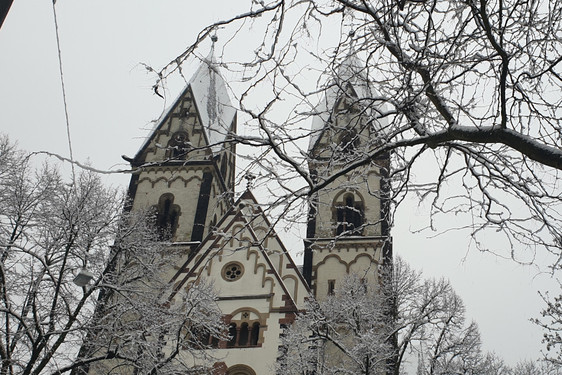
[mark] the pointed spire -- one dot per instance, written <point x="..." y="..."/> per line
<point x="351" y="73"/>
<point x="211" y="95"/>
<point x="350" y="66"/>
<point x="210" y="59"/>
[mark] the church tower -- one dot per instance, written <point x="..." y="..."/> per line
<point x="348" y="217"/>
<point x="186" y="166"/>
<point x="187" y="175"/>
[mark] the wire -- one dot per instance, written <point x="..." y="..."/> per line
<point x="64" y="96"/>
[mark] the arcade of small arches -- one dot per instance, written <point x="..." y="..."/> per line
<point x="245" y="332"/>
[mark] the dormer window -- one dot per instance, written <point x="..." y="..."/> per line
<point x="178" y="146"/>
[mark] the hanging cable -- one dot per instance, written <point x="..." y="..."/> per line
<point x="64" y="96"/>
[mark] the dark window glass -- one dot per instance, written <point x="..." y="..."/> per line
<point x="167" y="216"/>
<point x="244" y="332"/>
<point x="232" y="333"/>
<point x="178" y="146"/>
<point x="331" y="287"/>
<point x="255" y="334"/>
<point x="349" y="141"/>
<point x="215" y="342"/>
<point x="349" y="218"/>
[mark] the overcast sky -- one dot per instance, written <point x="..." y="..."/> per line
<point x="111" y="106"/>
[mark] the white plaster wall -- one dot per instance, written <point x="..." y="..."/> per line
<point x="335" y="263"/>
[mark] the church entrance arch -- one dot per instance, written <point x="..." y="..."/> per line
<point x="240" y="370"/>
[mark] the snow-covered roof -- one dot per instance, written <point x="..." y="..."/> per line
<point x="351" y="72"/>
<point x="214" y="106"/>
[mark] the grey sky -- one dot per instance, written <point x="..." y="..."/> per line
<point x="111" y="106"/>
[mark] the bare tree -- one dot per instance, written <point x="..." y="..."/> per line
<point x="342" y="335"/>
<point x="53" y="232"/>
<point x="538" y="367"/>
<point x="362" y="330"/>
<point x="466" y="92"/>
<point x="463" y="95"/>
<point x="490" y="364"/>
<point x="551" y="322"/>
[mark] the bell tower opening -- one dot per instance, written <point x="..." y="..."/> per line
<point x="178" y="146"/>
<point x="167" y="216"/>
<point x="349" y="216"/>
<point x="349" y="142"/>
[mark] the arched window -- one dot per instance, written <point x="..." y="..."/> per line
<point x="178" y="146"/>
<point x="232" y="333"/>
<point x="331" y="287"/>
<point x="205" y="338"/>
<point x="244" y="333"/>
<point x="244" y="329"/>
<point x="240" y="370"/>
<point x="200" y="337"/>
<point x="224" y="165"/>
<point x="255" y="336"/>
<point x="349" y="141"/>
<point x="214" y="342"/>
<point x="349" y="217"/>
<point x="167" y="216"/>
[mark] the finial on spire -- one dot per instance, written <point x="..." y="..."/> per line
<point x="214" y="39"/>
<point x="250" y="179"/>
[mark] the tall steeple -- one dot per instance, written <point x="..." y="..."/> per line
<point x="185" y="168"/>
<point x="347" y="229"/>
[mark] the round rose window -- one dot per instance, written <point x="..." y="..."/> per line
<point x="232" y="271"/>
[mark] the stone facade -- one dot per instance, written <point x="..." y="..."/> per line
<point x="186" y="171"/>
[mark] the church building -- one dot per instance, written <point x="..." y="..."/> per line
<point x="186" y="173"/>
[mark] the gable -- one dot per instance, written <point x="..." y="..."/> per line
<point x="203" y="112"/>
<point x="244" y="237"/>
